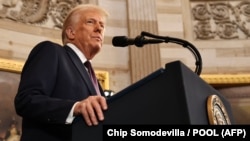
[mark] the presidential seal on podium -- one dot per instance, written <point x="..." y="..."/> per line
<point x="216" y="110"/>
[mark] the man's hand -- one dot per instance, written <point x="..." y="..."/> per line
<point x="91" y="109"/>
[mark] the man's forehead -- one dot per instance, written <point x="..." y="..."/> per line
<point x="94" y="16"/>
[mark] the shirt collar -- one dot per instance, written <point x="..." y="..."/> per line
<point x="78" y="52"/>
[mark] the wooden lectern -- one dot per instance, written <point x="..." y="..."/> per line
<point x="171" y="95"/>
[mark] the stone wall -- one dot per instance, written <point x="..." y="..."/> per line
<point x="223" y="44"/>
<point x="218" y="29"/>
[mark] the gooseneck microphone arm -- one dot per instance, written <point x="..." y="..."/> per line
<point x="184" y="43"/>
<point x="140" y="41"/>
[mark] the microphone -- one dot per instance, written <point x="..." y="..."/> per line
<point x="139" y="41"/>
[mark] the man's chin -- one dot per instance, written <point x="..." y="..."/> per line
<point x="97" y="49"/>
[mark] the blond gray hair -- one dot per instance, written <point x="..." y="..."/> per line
<point x="82" y="7"/>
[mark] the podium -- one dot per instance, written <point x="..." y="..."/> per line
<point x="172" y="95"/>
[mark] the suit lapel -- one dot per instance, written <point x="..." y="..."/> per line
<point x="80" y="67"/>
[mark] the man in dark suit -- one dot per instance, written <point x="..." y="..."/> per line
<point x="55" y="86"/>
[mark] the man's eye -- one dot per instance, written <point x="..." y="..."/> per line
<point x="102" y="25"/>
<point x="90" y="22"/>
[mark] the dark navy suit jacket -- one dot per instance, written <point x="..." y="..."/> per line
<point x="52" y="80"/>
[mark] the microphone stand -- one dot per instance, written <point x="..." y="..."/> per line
<point x="184" y="43"/>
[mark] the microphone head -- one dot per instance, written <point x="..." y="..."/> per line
<point x="120" y="41"/>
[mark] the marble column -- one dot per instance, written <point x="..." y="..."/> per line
<point x="142" y="16"/>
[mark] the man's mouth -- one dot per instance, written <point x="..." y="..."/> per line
<point x="98" y="38"/>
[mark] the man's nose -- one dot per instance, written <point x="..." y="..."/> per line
<point x="99" y="28"/>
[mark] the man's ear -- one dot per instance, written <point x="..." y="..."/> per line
<point x="70" y="32"/>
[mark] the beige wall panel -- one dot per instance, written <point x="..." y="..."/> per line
<point x="178" y="53"/>
<point x="170" y="22"/>
<point x="119" y="79"/>
<point x="115" y="59"/>
<point x="221" y="44"/>
<point x="19" y="43"/>
<point x="116" y="8"/>
<point x="114" y="31"/>
<point x="171" y="3"/>
<point x="112" y="57"/>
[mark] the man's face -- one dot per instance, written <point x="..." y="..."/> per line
<point x="90" y="32"/>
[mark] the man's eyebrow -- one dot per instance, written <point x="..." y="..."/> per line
<point x="93" y="19"/>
